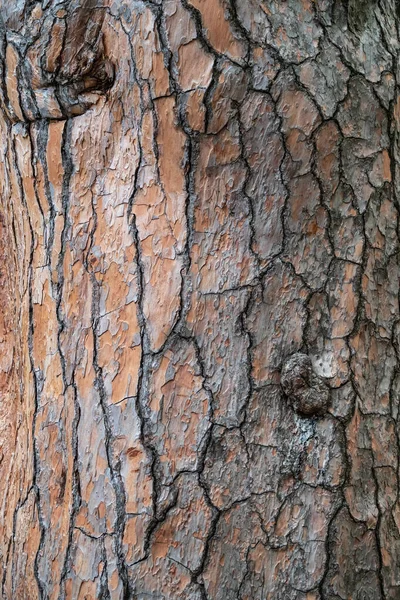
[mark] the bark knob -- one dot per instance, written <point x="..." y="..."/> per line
<point x="307" y="392"/>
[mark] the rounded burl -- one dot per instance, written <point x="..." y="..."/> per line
<point x="306" y="391"/>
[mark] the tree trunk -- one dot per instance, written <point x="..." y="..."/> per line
<point x="199" y="347"/>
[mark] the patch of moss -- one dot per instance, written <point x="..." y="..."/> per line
<point x="359" y="13"/>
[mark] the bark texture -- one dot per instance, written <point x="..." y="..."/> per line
<point x="195" y="195"/>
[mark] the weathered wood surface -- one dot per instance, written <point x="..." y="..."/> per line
<point x="191" y="192"/>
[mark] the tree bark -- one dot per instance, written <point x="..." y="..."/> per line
<point x="199" y="302"/>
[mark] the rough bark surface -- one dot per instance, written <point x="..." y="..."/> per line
<point x="192" y="192"/>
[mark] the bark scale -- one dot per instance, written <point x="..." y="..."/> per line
<point x="192" y="192"/>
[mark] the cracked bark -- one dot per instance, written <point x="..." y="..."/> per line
<point x="192" y="193"/>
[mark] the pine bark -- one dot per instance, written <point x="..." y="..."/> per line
<point x="199" y="301"/>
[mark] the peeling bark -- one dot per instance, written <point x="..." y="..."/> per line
<point x="197" y="196"/>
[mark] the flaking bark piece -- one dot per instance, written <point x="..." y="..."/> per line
<point x="306" y="391"/>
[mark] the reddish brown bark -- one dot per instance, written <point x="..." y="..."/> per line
<point x="198" y="196"/>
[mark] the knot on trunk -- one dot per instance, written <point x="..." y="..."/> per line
<point x="59" y="68"/>
<point x="307" y="392"/>
<point x="78" y="94"/>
